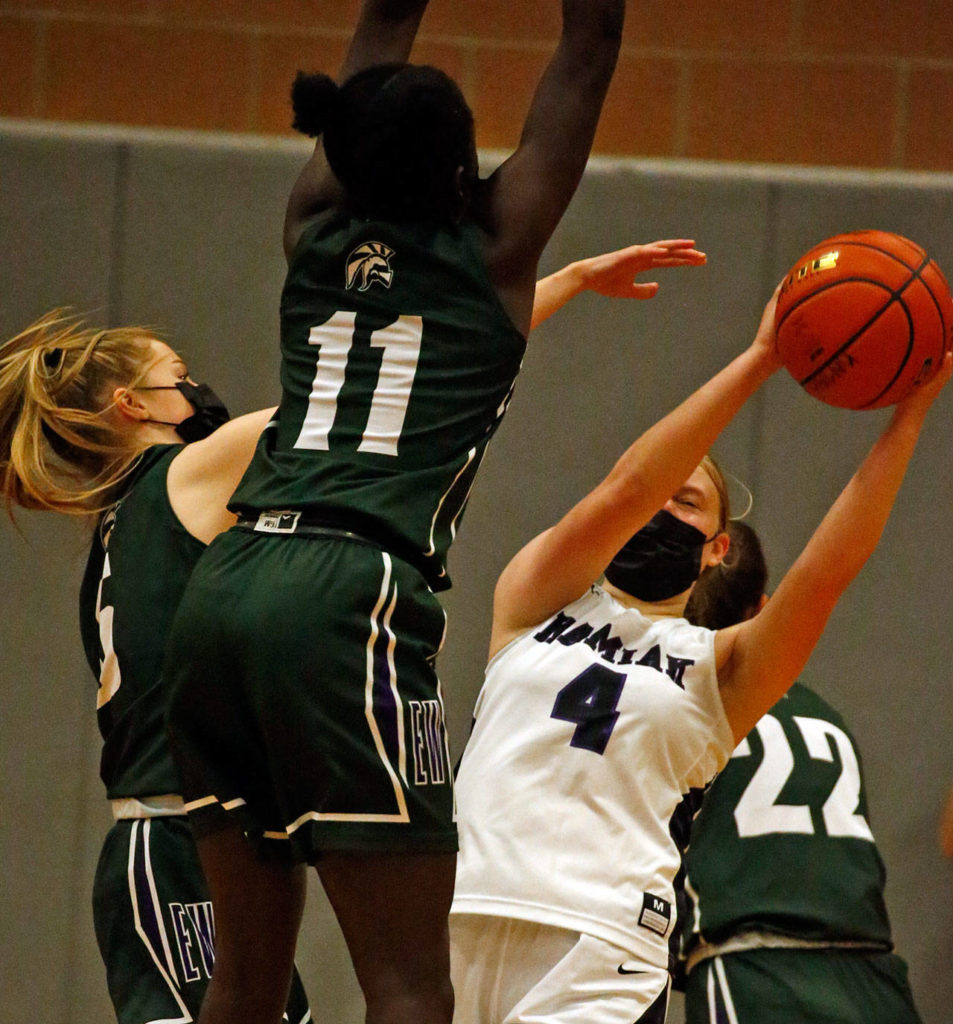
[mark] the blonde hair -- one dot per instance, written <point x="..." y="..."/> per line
<point x="60" y="448"/>
<point x="717" y="477"/>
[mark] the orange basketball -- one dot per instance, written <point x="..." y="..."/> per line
<point x="862" y="318"/>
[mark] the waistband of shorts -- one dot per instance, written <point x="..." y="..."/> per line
<point x="165" y="806"/>
<point x="307" y="523"/>
<point x="756" y="939"/>
<point x="288" y="521"/>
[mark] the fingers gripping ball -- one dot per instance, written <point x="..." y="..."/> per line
<point x="862" y="318"/>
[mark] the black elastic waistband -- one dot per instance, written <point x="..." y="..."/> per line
<point x="291" y="523"/>
<point x="298" y="523"/>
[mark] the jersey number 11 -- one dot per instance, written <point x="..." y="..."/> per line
<point x="334" y="339"/>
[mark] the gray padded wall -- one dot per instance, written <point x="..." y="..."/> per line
<point x="183" y="232"/>
<point x="58" y="243"/>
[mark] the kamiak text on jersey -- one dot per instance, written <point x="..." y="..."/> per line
<point x="567" y="631"/>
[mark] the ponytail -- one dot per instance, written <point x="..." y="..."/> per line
<point x="316" y="101"/>
<point x="60" y="448"/>
<point x="731" y="591"/>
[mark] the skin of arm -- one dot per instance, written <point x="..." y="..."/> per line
<point x="612" y="274"/>
<point x="559" y="565"/>
<point x="520" y="204"/>
<point x="385" y="34"/>
<point x="204" y="475"/>
<point x="759" y="659"/>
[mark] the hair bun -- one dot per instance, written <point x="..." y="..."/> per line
<point x="315" y="100"/>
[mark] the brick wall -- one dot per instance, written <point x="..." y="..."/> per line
<point x="866" y="83"/>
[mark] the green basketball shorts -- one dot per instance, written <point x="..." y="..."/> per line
<point x="155" y="926"/>
<point x="800" y="986"/>
<point x="304" y="702"/>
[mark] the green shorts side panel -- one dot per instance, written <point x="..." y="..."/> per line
<point x="764" y="986"/>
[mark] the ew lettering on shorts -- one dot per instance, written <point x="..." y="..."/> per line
<point x="430" y="766"/>
<point x="194" y="927"/>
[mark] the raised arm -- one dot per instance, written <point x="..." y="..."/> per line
<point x="385" y="34"/>
<point x="759" y="659"/>
<point x="613" y="274"/>
<point x="557" y="566"/>
<point x="521" y="203"/>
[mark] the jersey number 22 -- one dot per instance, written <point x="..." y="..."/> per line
<point x="758" y="813"/>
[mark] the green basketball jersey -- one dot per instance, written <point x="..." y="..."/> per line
<point x="140" y="560"/>
<point x="398" y="361"/>
<point x="782" y="842"/>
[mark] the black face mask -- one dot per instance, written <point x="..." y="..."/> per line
<point x="663" y="559"/>
<point x="210" y="412"/>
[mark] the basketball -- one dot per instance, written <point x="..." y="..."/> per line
<point x="862" y="318"/>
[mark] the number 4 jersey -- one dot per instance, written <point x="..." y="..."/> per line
<point x="398" y="361"/>
<point x="782" y="844"/>
<point x="591" y="734"/>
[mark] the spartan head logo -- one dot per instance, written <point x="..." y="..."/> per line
<point x="368" y="263"/>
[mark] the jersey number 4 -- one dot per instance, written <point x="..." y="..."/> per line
<point x="758" y="813"/>
<point x="590" y="700"/>
<point x="388" y="407"/>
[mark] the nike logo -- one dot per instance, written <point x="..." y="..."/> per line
<point x="622" y="970"/>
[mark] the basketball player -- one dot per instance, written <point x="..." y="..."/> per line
<point x="305" y="712"/>
<point x="604" y="713"/>
<point x="95" y="421"/>
<point x="786" y="915"/>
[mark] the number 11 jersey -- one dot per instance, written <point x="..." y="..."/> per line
<point x="398" y="361"/>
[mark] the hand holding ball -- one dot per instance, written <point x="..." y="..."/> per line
<point x="862" y="318"/>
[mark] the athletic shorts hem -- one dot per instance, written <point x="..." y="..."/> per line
<point x="311" y="840"/>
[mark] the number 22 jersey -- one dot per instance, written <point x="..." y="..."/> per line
<point x="398" y="361"/>
<point x="782" y="843"/>
<point x="591" y="734"/>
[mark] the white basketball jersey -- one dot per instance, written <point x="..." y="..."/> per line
<point x="589" y="731"/>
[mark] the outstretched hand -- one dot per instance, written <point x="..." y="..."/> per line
<point x="613" y="273"/>
<point x="921" y="397"/>
<point x="765" y="341"/>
